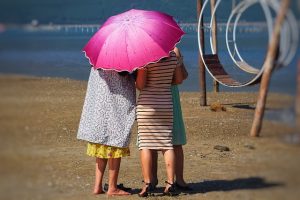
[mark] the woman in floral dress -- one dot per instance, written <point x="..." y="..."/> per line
<point x="106" y="120"/>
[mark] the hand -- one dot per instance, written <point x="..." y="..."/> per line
<point x="180" y="61"/>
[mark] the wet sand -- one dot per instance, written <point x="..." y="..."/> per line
<point x="42" y="159"/>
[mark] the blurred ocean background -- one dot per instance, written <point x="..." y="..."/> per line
<point x="45" y="38"/>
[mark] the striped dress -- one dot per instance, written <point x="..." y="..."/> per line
<point x="155" y="107"/>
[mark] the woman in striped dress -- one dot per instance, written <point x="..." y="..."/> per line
<point x="155" y="118"/>
<point x="179" y="135"/>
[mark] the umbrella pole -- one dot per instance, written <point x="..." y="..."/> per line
<point x="269" y="65"/>
<point x="214" y="39"/>
<point x="203" y="99"/>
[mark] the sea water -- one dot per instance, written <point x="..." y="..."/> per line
<point x="58" y="53"/>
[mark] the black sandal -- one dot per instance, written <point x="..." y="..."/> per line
<point x="147" y="192"/>
<point x="171" y="191"/>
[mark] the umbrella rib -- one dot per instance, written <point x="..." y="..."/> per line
<point x="126" y="47"/>
<point x="165" y="22"/>
<point x="167" y="53"/>
<point x="100" y="49"/>
<point x="141" y="23"/>
<point x="152" y="39"/>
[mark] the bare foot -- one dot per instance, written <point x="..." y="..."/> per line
<point x="98" y="190"/>
<point x="143" y="192"/>
<point x="117" y="192"/>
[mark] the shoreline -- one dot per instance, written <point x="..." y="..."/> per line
<point x="182" y="87"/>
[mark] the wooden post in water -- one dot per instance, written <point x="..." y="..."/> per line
<point x="214" y="39"/>
<point x="297" y="102"/>
<point x="269" y="65"/>
<point x="203" y="99"/>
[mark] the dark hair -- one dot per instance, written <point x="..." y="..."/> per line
<point x="134" y="74"/>
<point x="124" y="73"/>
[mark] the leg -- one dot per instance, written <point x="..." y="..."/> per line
<point x="146" y="161"/>
<point x="114" y="166"/>
<point x="99" y="172"/>
<point x="179" y="164"/>
<point x="169" y="157"/>
<point x="154" y="180"/>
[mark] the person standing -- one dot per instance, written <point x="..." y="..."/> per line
<point x="155" y="118"/>
<point x="179" y="135"/>
<point x="106" y="120"/>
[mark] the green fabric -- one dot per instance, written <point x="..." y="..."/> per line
<point x="179" y="136"/>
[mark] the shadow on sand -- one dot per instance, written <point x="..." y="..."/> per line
<point x="251" y="183"/>
<point x="244" y="106"/>
<point x="247" y="106"/>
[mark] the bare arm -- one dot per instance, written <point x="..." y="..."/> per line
<point x="177" y="76"/>
<point x="183" y="69"/>
<point x="180" y="71"/>
<point x="141" y="78"/>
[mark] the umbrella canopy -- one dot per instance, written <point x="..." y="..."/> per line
<point x="133" y="39"/>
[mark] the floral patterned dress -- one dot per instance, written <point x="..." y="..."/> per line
<point x="108" y="113"/>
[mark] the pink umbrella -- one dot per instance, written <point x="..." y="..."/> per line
<point x="133" y="39"/>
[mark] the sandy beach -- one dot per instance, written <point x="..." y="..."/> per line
<point x="42" y="159"/>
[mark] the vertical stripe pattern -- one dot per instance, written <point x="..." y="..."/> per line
<point x="155" y="107"/>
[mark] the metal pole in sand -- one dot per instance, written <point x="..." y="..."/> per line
<point x="269" y="65"/>
<point x="214" y="38"/>
<point x="203" y="99"/>
<point x="297" y="102"/>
